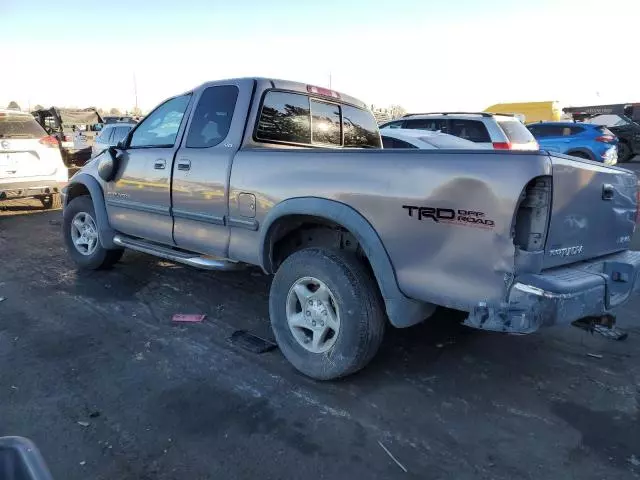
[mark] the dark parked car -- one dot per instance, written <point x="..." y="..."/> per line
<point x="622" y="119"/>
<point x="583" y="140"/>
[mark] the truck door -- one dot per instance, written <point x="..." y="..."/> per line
<point x="139" y="199"/>
<point x="203" y="164"/>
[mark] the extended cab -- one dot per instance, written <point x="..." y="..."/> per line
<point x="291" y="178"/>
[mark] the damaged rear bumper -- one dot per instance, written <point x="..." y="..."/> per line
<point x="562" y="295"/>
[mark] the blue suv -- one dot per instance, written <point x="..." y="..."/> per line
<point x="584" y="140"/>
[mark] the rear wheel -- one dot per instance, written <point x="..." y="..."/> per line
<point x="53" y="201"/>
<point x="82" y="237"/>
<point x="326" y="312"/>
<point x="624" y="152"/>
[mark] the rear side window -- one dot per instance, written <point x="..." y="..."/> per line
<point x="471" y="130"/>
<point x="295" y="118"/>
<point x="212" y="117"/>
<point x="576" y="130"/>
<point x="360" y="128"/>
<point x="516" y="132"/>
<point x="285" y="117"/>
<point x="325" y="123"/>
<point x="431" y="124"/>
<point x="20" y="126"/>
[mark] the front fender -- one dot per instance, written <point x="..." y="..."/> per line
<point x="401" y="310"/>
<point x="97" y="197"/>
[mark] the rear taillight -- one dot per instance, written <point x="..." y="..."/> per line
<point x="605" y="139"/>
<point x="501" y="146"/>
<point x="529" y="229"/>
<point x="49" y="141"/>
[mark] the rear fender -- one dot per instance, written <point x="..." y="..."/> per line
<point x="97" y="197"/>
<point x="401" y="310"/>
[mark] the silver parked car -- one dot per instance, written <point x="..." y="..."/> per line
<point x="497" y="131"/>
<point x="110" y="135"/>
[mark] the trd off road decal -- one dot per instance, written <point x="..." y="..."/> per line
<point x="470" y="218"/>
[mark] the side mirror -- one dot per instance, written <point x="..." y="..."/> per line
<point x="109" y="163"/>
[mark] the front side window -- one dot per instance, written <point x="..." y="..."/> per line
<point x="160" y="127"/>
<point x="325" y="123"/>
<point x="471" y="130"/>
<point x="285" y="117"/>
<point x="212" y="117"/>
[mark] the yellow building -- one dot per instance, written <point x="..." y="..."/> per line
<point x="531" y="111"/>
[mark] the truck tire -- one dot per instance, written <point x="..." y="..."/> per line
<point x="52" y="201"/>
<point x="81" y="236"/>
<point x="624" y="152"/>
<point x="326" y="312"/>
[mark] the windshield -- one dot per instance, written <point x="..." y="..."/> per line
<point x="20" y="126"/>
<point x="516" y="132"/>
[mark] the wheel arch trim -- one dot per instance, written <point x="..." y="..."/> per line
<point x="401" y="310"/>
<point x="97" y="198"/>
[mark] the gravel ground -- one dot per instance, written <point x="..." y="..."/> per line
<point x="157" y="400"/>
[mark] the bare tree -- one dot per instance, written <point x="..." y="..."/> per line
<point x="38" y="107"/>
<point x="13" y="106"/>
<point x="114" y="111"/>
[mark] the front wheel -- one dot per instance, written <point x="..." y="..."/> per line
<point x="81" y="235"/>
<point x="326" y="313"/>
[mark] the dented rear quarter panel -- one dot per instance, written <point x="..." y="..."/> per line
<point x="454" y="264"/>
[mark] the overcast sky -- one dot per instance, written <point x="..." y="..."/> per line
<point x="424" y="55"/>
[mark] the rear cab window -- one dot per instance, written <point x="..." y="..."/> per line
<point x="295" y="118"/>
<point x="20" y="126"/>
<point x="516" y="132"/>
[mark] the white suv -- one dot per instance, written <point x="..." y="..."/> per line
<point x="30" y="160"/>
<point x="498" y="131"/>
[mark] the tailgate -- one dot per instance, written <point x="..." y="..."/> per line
<point x="593" y="210"/>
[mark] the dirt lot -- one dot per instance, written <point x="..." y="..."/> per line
<point x="162" y="401"/>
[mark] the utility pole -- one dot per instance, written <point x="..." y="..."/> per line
<point x="329" y="80"/>
<point x="135" y="90"/>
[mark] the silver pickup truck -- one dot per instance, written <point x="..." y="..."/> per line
<point x="291" y="178"/>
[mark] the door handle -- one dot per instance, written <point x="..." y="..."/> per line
<point x="607" y="192"/>
<point x="160" y="164"/>
<point x="184" y="164"/>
